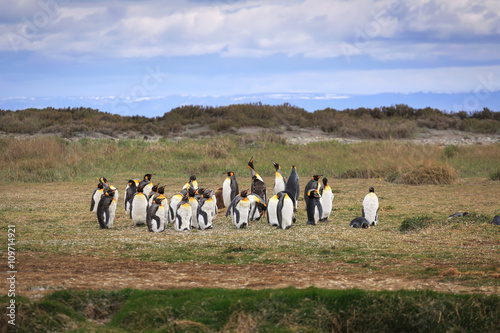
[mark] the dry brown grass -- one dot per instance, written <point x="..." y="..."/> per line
<point x="429" y="173"/>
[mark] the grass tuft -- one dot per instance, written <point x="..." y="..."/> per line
<point x="430" y="173"/>
<point x="416" y="223"/>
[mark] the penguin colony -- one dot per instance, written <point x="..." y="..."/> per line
<point x="145" y="203"/>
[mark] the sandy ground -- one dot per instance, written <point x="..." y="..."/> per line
<point x="41" y="273"/>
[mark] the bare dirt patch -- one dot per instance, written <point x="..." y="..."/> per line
<point x="42" y="273"/>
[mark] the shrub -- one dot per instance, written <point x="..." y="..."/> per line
<point x="416" y="223"/>
<point x="450" y="151"/>
<point x="429" y="174"/>
<point x="495" y="175"/>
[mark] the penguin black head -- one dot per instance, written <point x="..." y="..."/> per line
<point x="158" y="200"/>
<point x="293" y="167"/>
<point x="103" y="180"/>
<point x="465" y="214"/>
<point x="191" y="192"/>
<point x="131" y="183"/>
<point x="161" y="189"/>
<point x="100" y="186"/>
<point x="155" y="188"/>
<point x="111" y="192"/>
<point x="364" y="225"/>
<point x="193" y="177"/>
<point x="316" y="177"/>
<point x="229" y="173"/>
<point x="185" y="198"/>
<point x="325" y="181"/>
<point x="371" y="189"/>
<point x="313" y="193"/>
<point x="276" y="165"/>
<point x="148" y="176"/>
<point x="244" y="193"/>
<point x="140" y="188"/>
<point x="200" y="191"/>
<point x="250" y="163"/>
<point x="206" y="194"/>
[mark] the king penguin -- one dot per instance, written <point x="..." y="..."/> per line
<point x="496" y="220"/>
<point x="240" y="210"/>
<point x="193" y="202"/>
<point x="129" y="194"/>
<point x="229" y="188"/>
<point x="359" y="222"/>
<point x="192" y="183"/>
<point x="311" y="185"/>
<point x="106" y="209"/>
<point x="258" y="186"/>
<point x="183" y="215"/>
<point x="96" y="196"/>
<point x="206" y="210"/>
<point x="285" y="210"/>
<point x="279" y="180"/>
<point x="314" y="209"/>
<point x="370" y="207"/>
<point x="326" y="199"/>
<point x="272" y="210"/>
<point x="155" y="219"/>
<point x="257" y="207"/>
<point x="152" y="193"/>
<point x="292" y="185"/>
<point x="146" y="183"/>
<point x="174" y="201"/>
<point x="139" y="207"/>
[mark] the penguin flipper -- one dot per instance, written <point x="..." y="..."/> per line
<point x="320" y="208"/>
<point x="279" y="213"/>
<point x="92" y="201"/>
<point x="363" y="212"/>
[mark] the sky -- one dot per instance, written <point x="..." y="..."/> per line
<point x="147" y="57"/>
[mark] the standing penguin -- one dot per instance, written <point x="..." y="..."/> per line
<point x="206" y="212"/>
<point x="129" y="194"/>
<point x="370" y="207"/>
<point x="257" y="207"/>
<point x="285" y="210"/>
<point x="146" y="183"/>
<point x="240" y="210"/>
<point x="139" y="207"/>
<point x="311" y="185"/>
<point x="155" y="219"/>
<point x="292" y="185"/>
<point x="106" y="209"/>
<point x="258" y="186"/>
<point x="326" y="199"/>
<point x="272" y="210"/>
<point x="183" y="215"/>
<point x="279" y="180"/>
<point x="96" y="196"/>
<point x="314" y="209"/>
<point x="174" y="201"/>
<point x="229" y="188"/>
<point x="152" y="193"/>
<point x="219" y="198"/>
<point x="193" y="202"/>
<point x="192" y="183"/>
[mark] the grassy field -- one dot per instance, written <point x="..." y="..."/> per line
<point x="47" y="184"/>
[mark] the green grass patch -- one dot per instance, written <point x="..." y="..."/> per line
<point x="280" y="310"/>
<point x="416" y="223"/>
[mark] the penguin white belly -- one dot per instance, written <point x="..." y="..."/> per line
<point x="370" y="208"/>
<point x="287" y="213"/>
<point x="166" y="210"/>
<point x="194" y="210"/>
<point x="327" y="203"/>
<point x="316" y="215"/>
<point x="112" y="212"/>
<point x="160" y="213"/>
<point x="205" y="219"/>
<point x="139" y="209"/>
<point x="96" y="197"/>
<point x="147" y="189"/>
<point x="272" y="211"/>
<point x="279" y="184"/>
<point x="241" y="213"/>
<point x="226" y="192"/>
<point x="174" y="201"/>
<point x="183" y="218"/>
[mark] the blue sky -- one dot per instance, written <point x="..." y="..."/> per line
<point x="146" y="57"/>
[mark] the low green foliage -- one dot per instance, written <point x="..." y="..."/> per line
<point x="495" y="175"/>
<point x="416" y="223"/>
<point x="283" y="310"/>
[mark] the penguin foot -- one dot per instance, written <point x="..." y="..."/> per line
<point x="310" y="223"/>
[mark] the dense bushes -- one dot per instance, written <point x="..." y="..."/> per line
<point x="399" y="121"/>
